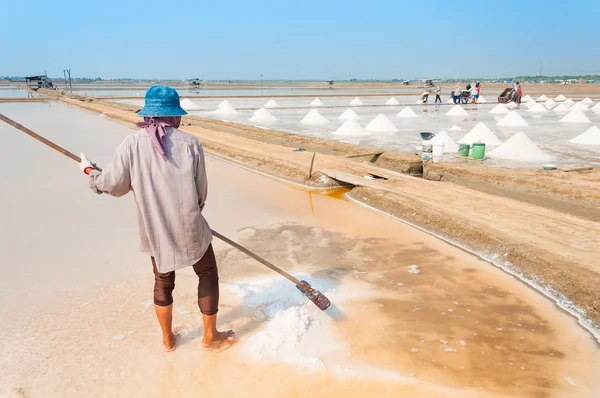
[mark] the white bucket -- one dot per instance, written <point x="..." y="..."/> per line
<point x="438" y="149"/>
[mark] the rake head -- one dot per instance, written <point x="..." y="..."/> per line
<point x="314" y="295"/>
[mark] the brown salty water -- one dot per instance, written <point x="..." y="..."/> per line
<point x="77" y="319"/>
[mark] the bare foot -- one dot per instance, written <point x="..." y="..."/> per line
<point x="220" y="340"/>
<point x="170" y="343"/>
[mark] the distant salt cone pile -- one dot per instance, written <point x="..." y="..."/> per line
<point x="569" y="101"/>
<point x="529" y="104"/>
<point x="526" y="98"/>
<point x="443" y="138"/>
<point x="512" y="119"/>
<point x="562" y="108"/>
<point x="271" y="104"/>
<point x="543" y="98"/>
<point x="356" y="102"/>
<point x="381" y="124"/>
<point x="392" y="101"/>
<point x="550" y="104"/>
<point x="519" y="147"/>
<point x="481" y="100"/>
<point x="263" y="116"/>
<point x="499" y="109"/>
<point x="407" y="112"/>
<point x="590" y="137"/>
<point x="480" y="133"/>
<point x="587" y="100"/>
<point x="350" y="128"/>
<point x="580" y="106"/>
<point x="512" y="105"/>
<point x="560" y="98"/>
<point x="457" y="110"/>
<point x="575" y="116"/>
<point x="538" y="108"/>
<point x="224" y="103"/>
<point x="188" y="105"/>
<point x="450" y="101"/>
<point x="349" y="114"/>
<point x="317" y="102"/>
<point x="225" y="109"/>
<point x="455" y="128"/>
<point x="596" y="108"/>
<point x="314" y="117"/>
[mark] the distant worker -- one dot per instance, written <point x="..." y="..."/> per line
<point x="476" y="93"/>
<point x="456" y="93"/>
<point x="438" y="91"/>
<point x="424" y="97"/>
<point x="164" y="168"/>
<point x="519" y="93"/>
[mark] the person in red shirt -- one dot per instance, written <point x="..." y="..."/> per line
<point x="476" y="93"/>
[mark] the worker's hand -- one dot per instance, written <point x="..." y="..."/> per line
<point x="85" y="165"/>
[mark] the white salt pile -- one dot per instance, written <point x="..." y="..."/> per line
<point x="481" y="100"/>
<point x="443" y="138"/>
<point x="562" y="108"/>
<point x="349" y="114"/>
<point x="529" y="104"/>
<point x="224" y="103"/>
<point x="263" y="115"/>
<point x="356" y="102"/>
<point x="511" y="105"/>
<point x="500" y="109"/>
<point x="450" y="101"/>
<point x="314" y="117"/>
<point x="481" y="133"/>
<point x="560" y="98"/>
<point x="407" y="112"/>
<point x="580" y="106"/>
<point x="587" y="100"/>
<point x="392" y="101"/>
<point x="381" y="124"/>
<point x="550" y="104"/>
<point x="538" y="108"/>
<point x="520" y="148"/>
<point x="350" y="128"/>
<point x="225" y="109"/>
<point x="542" y="98"/>
<point x="596" y="108"/>
<point x="590" y="137"/>
<point x="188" y="105"/>
<point x="575" y="116"/>
<point x="455" y="128"/>
<point x="317" y="102"/>
<point x="512" y="119"/>
<point x="271" y="104"/>
<point x="414" y="269"/>
<point x="457" y="110"/>
<point x="526" y="98"/>
<point x="569" y="101"/>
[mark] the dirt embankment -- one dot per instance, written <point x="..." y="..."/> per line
<point x="543" y="224"/>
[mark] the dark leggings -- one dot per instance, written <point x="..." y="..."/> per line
<point x="208" y="284"/>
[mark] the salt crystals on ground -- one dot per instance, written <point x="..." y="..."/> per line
<point x="529" y="104"/>
<point x="457" y="110"/>
<point x="512" y="105"/>
<point x="455" y="128"/>
<point x="596" y="108"/>
<point x="538" y="108"/>
<point x="480" y="133"/>
<point x="225" y="109"/>
<point x="542" y="98"/>
<point x="188" y="105"/>
<point x="392" y="101"/>
<point x="590" y="137"/>
<point x="575" y="116"/>
<point x="414" y="269"/>
<point x="271" y="104"/>
<point x="381" y="124"/>
<point x="356" y="102"/>
<point x="407" y="112"/>
<point x="587" y="100"/>
<point x="350" y="128"/>
<point x="224" y="103"/>
<point x="481" y="100"/>
<point x="348" y="115"/>
<point x="569" y="101"/>
<point x="560" y="98"/>
<point x="317" y="102"/>
<point x="314" y="117"/>
<point x="263" y="115"/>
<point x="443" y="138"/>
<point x="526" y="98"/>
<point x="519" y="147"/>
<point x="450" y="101"/>
<point x="580" y="106"/>
<point x="512" y="119"/>
<point x="562" y="108"/>
<point x="550" y="104"/>
<point x="499" y="109"/>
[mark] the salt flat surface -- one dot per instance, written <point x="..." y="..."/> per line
<point x="544" y="129"/>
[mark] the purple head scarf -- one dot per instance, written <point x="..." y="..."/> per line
<point x="156" y="127"/>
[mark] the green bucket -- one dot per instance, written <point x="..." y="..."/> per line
<point x="463" y="150"/>
<point x="478" y="150"/>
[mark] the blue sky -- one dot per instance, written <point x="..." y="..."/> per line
<point x="236" y="39"/>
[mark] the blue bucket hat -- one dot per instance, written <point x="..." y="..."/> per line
<point x="161" y="101"/>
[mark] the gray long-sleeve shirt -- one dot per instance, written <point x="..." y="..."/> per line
<point x="169" y="194"/>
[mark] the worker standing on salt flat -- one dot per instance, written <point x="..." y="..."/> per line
<point x="165" y="169"/>
<point x="476" y="93"/>
<point x="438" y="91"/>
